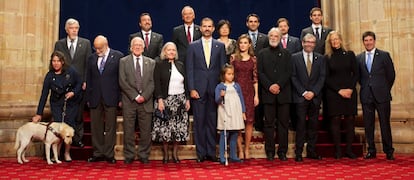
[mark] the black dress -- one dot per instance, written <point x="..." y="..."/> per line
<point x="341" y="73"/>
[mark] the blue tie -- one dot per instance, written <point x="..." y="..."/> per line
<point x="369" y="61"/>
<point x="102" y="65"/>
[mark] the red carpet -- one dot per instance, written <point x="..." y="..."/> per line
<point x="328" y="168"/>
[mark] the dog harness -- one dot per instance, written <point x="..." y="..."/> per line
<point x="49" y="128"/>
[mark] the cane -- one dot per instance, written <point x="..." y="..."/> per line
<point x="225" y="138"/>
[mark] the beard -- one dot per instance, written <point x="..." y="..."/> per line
<point x="273" y="43"/>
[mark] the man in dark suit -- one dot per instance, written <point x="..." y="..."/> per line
<point x="260" y="41"/>
<point x="274" y="67"/>
<point x="136" y="80"/>
<point x="103" y="96"/>
<point x="317" y="29"/>
<point x="184" y="34"/>
<point x="308" y="78"/>
<point x="205" y="58"/>
<point x="290" y="43"/>
<point x="153" y="41"/>
<point x="377" y="77"/>
<point x="77" y="51"/>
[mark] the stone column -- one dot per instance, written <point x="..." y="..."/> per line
<point x="393" y="23"/>
<point x="28" y="30"/>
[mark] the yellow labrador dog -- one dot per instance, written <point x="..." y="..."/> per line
<point x="51" y="135"/>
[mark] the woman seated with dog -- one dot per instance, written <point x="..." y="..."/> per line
<point x="64" y="85"/>
<point x="171" y="96"/>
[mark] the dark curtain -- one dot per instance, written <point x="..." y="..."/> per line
<point x="116" y="19"/>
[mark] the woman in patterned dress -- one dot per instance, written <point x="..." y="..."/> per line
<point x="245" y="71"/>
<point x="170" y="93"/>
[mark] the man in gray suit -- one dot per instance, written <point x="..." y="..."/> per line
<point x="152" y="40"/>
<point x="77" y="51"/>
<point x="137" y="87"/>
<point x="288" y="42"/>
<point x="317" y="29"/>
<point x="377" y="77"/>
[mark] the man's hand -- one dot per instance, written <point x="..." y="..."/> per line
<point x="194" y="94"/>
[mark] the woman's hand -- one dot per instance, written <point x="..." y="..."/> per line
<point x="36" y="118"/>
<point x="161" y="106"/>
<point x="187" y="105"/>
<point x="69" y="95"/>
<point x="256" y="100"/>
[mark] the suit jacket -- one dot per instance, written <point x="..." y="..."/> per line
<point x="302" y="82"/>
<point x="82" y="52"/>
<point x="155" y="44"/>
<point x="163" y="75"/>
<point x="179" y="37"/>
<point x="103" y="86"/>
<point x="199" y="76"/>
<point x="293" y="45"/>
<point x="320" y="43"/>
<point x="127" y="82"/>
<point x="381" y="78"/>
<point x="274" y="66"/>
<point x="261" y="43"/>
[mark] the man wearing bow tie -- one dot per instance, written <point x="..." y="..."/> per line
<point x="377" y="77"/>
<point x="103" y="96"/>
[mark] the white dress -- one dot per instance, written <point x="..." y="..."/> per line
<point x="230" y="113"/>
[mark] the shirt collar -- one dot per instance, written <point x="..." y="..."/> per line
<point x="372" y="51"/>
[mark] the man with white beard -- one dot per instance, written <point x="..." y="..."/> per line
<point x="275" y="69"/>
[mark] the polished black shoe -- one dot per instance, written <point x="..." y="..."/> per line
<point x="338" y="156"/>
<point x="350" y="155"/>
<point x="370" y="155"/>
<point x="298" y="158"/>
<point x="95" y="159"/>
<point x="212" y="158"/>
<point x="175" y="159"/>
<point x="165" y="161"/>
<point x="111" y="160"/>
<point x="144" y="160"/>
<point x="282" y="156"/>
<point x="128" y="161"/>
<point x="78" y="144"/>
<point x="314" y="155"/>
<point x="235" y="160"/>
<point x="270" y="157"/>
<point x="200" y="159"/>
<point x="390" y="156"/>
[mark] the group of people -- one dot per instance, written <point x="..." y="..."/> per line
<point x="261" y="80"/>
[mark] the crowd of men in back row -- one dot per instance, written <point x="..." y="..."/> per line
<point x="293" y="74"/>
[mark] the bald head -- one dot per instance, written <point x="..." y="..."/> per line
<point x="101" y="45"/>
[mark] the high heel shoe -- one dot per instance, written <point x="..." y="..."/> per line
<point x="175" y="159"/>
<point x="246" y="155"/>
<point x="165" y="161"/>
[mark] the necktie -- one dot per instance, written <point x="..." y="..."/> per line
<point x="308" y="65"/>
<point x="369" y="61"/>
<point x="284" y="42"/>
<point x="146" y="40"/>
<point x="138" y="75"/>
<point x="317" y="33"/>
<point x="188" y="34"/>
<point x="254" y="39"/>
<point x="102" y="65"/>
<point x="207" y="53"/>
<point x="72" y="49"/>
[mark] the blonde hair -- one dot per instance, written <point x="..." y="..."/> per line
<point x="328" y="46"/>
<point x="163" y="55"/>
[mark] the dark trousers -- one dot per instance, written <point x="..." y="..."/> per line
<point x="78" y="125"/>
<point x="307" y="128"/>
<point x="131" y="112"/>
<point x="278" y="113"/>
<point x="348" y="121"/>
<point x="103" y="129"/>
<point x="384" y="113"/>
<point x="205" y="125"/>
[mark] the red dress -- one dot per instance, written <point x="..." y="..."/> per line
<point x="245" y="72"/>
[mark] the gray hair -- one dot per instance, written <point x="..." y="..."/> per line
<point x="163" y="56"/>
<point x="187" y="7"/>
<point x="71" y="21"/>
<point x="308" y="36"/>
<point x="276" y="30"/>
